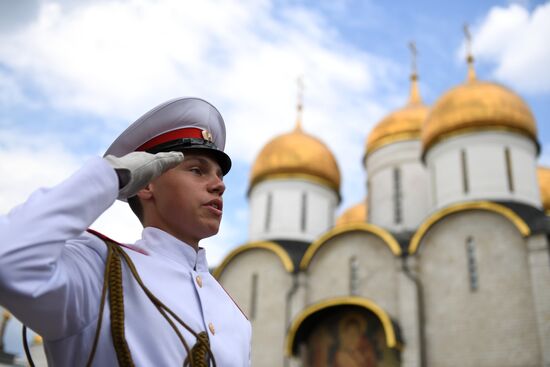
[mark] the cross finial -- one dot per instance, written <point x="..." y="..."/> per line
<point x="414" y="52"/>
<point x="415" y="94"/>
<point x="469" y="56"/>
<point x="300" y="103"/>
<point x="468" y="36"/>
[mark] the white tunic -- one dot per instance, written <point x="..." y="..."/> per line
<point x="51" y="276"/>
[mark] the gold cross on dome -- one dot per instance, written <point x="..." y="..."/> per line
<point x="300" y="103"/>
<point x="414" y="52"/>
<point x="469" y="56"/>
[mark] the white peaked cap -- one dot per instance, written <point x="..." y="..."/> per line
<point x="178" y="124"/>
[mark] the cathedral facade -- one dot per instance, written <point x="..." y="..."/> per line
<point x="445" y="263"/>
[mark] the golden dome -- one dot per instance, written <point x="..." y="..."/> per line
<point x="354" y="214"/>
<point x="543" y="174"/>
<point x="296" y="155"/>
<point x="403" y="124"/>
<point x="477" y="106"/>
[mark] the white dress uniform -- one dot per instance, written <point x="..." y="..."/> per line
<point x="52" y="271"/>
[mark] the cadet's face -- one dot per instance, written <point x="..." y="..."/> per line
<point x="187" y="200"/>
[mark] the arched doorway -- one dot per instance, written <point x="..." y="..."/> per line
<point x="350" y="332"/>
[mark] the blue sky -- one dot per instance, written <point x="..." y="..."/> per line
<point x="74" y="74"/>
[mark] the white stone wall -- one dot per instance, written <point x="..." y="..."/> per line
<point x="409" y="313"/>
<point x="329" y="270"/>
<point x="273" y="282"/>
<point x="486" y="169"/>
<point x="539" y="263"/>
<point x="285" y="216"/>
<point x="494" y="326"/>
<point x="380" y="165"/>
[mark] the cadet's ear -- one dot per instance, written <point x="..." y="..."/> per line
<point x="146" y="193"/>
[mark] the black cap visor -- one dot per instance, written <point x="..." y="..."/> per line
<point x="197" y="145"/>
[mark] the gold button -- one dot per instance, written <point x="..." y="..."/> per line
<point x="211" y="327"/>
<point x="199" y="280"/>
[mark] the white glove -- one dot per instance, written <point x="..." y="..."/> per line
<point x="135" y="170"/>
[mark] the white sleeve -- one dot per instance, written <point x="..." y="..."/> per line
<point x="51" y="270"/>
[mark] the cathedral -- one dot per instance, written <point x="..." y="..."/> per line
<point x="445" y="263"/>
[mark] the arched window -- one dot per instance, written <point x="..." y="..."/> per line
<point x="509" y="172"/>
<point x="253" y="295"/>
<point x="268" y="209"/>
<point x="304" y="212"/>
<point x="353" y="276"/>
<point x="464" y="162"/>
<point x="472" y="263"/>
<point x="397" y="196"/>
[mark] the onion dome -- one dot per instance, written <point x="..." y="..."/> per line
<point x="543" y="175"/>
<point x="296" y="155"/>
<point x="477" y="106"/>
<point x="354" y="214"/>
<point x="403" y="124"/>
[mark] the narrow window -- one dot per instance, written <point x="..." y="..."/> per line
<point x="434" y="184"/>
<point x="509" y="172"/>
<point x="353" y="276"/>
<point x="397" y="196"/>
<point x="472" y="265"/>
<point x="269" y="205"/>
<point x="465" y="185"/>
<point x="369" y="199"/>
<point x="330" y="214"/>
<point x="253" y="296"/>
<point x="304" y="212"/>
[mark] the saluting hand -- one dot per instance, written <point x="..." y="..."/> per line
<point x="135" y="170"/>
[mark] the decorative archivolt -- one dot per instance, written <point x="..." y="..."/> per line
<point x="263" y="245"/>
<point x="387" y="325"/>
<point x="509" y="214"/>
<point x="384" y="235"/>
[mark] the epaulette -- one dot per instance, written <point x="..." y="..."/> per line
<point x="105" y="238"/>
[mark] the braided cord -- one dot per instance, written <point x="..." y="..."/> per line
<point x="163" y="309"/>
<point x="101" y="305"/>
<point x="200" y="352"/>
<point x="116" y="303"/>
<point x="198" y="356"/>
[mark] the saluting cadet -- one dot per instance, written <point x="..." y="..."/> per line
<point x="152" y="303"/>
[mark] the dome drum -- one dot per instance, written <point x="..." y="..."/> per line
<point x="477" y="106"/>
<point x="296" y="155"/>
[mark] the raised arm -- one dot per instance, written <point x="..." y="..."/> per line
<point x="51" y="270"/>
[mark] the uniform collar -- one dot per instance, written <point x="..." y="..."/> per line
<point x="157" y="242"/>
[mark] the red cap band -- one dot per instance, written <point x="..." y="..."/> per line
<point x="188" y="132"/>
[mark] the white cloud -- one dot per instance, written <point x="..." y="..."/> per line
<point x="121" y="58"/>
<point x="24" y="168"/>
<point x="516" y="41"/>
<point x="118" y="59"/>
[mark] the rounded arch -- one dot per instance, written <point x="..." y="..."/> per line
<point x="261" y="245"/>
<point x="509" y="214"/>
<point x="387" y="324"/>
<point x="388" y="239"/>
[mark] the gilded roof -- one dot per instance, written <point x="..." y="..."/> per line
<point x="403" y="124"/>
<point x="296" y="154"/>
<point x="477" y="106"/>
<point x="543" y="175"/>
<point x="354" y="214"/>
